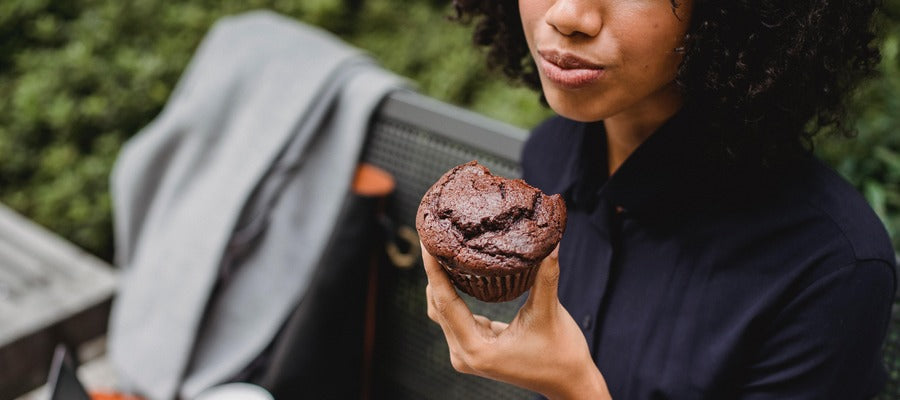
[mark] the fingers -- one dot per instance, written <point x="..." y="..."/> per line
<point x="495" y="327"/>
<point x="543" y="297"/>
<point x="445" y="306"/>
<point x="482" y="321"/>
<point x="468" y="336"/>
<point x="458" y="356"/>
<point x="434" y="272"/>
<point x="498" y="326"/>
<point x="434" y="316"/>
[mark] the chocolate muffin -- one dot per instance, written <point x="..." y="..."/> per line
<point x="488" y="232"/>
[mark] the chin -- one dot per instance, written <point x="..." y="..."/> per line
<point x="575" y="109"/>
<point x="584" y="105"/>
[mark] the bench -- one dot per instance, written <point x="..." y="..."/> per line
<point x="416" y="139"/>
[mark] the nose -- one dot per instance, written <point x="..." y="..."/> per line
<point x="571" y="17"/>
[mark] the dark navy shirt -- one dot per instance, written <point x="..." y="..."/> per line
<point x="693" y="279"/>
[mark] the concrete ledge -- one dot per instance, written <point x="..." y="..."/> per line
<point x="51" y="292"/>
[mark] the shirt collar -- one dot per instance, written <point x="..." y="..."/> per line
<point x="576" y="143"/>
<point x="670" y="169"/>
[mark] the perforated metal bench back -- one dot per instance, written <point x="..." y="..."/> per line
<point x="417" y="139"/>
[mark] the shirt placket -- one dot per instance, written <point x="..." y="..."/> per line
<point x="614" y="220"/>
<point x="601" y="271"/>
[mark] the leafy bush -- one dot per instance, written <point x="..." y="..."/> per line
<point x="871" y="160"/>
<point x="77" y="78"/>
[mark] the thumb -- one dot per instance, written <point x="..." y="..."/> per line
<point x="543" y="297"/>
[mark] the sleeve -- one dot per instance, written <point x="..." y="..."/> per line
<point x="826" y="344"/>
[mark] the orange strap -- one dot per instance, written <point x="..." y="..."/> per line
<point x="371" y="181"/>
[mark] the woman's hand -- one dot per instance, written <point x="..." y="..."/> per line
<point x="542" y="349"/>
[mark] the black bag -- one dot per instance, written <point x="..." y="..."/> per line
<point x="324" y="349"/>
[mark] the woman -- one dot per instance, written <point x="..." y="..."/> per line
<point x="707" y="255"/>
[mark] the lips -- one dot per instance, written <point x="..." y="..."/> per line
<point x="569" y="71"/>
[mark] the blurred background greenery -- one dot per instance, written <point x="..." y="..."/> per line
<point x="79" y="77"/>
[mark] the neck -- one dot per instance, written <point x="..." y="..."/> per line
<point x="626" y="130"/>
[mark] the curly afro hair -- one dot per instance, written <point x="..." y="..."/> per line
<point x="767" y="75"/>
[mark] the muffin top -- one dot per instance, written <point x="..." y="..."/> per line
<point x="488" y="225"/>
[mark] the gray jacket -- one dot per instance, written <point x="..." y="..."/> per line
<point x="243" y="172"/>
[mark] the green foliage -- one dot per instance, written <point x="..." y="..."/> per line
<point x="871" y="160"/>
<point x="79" y="77"/>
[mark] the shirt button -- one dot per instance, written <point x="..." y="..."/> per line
<point x="586" y="322"/>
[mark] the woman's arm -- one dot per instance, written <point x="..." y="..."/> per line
<point x="542" y="349"/>
<point x="825" y="344"/>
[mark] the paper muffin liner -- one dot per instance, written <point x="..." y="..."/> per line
<point x="493" y="289"/>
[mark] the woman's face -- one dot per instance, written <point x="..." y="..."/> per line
<point x="599" y="58"/>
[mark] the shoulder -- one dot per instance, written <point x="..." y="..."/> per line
<point x="826" y="225"/>
<point x="842" y="206"/>
<point x="804" y="222"/>
<point x="842" y="318"/>
<point x="824" y="266"/>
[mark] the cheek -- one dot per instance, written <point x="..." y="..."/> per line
<point x="530" y="13"/>
<point x="650" y="51"/>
